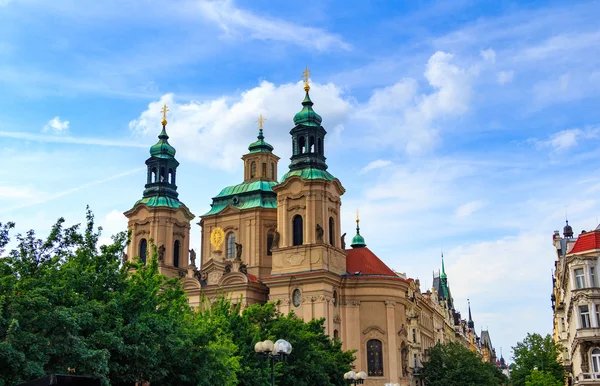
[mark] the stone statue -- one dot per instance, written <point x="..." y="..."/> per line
<point x="238" y="251"/>
<point x="124" y="258"/>
<point x="203" y="276"/>
<point x="161" y="253"/>
<point x="344" y="241"/>
<point x="319" y="233"/>
<point x="404" y="355"/>
<point x="276" y="236"/>
<point x="228" y="267"/>
<point x="192" y="257"/>
<point x="243" y="269"/>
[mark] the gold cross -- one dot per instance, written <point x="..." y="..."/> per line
<point x="357" y="220"/>
<point x="164" y="111"/>
<point x="260" y="122"/>
<point x="305" y="75"/>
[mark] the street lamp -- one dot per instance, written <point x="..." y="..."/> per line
<point x="355" y="378"/>
<point x="274" y="352"/>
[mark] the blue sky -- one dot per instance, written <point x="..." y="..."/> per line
<point x="461" y="125"/>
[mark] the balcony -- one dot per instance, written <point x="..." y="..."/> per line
<point x="587" y="379"/>
<point x="592" y="334"/>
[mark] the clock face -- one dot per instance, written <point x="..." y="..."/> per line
<point x="296" y="297"/>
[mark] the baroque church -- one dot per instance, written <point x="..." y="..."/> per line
<point x="279" y="239"/>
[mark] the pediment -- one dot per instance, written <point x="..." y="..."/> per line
<point x="233" y="278"/>
<point x="374" y="329"/>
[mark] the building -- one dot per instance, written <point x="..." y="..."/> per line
<point x="576" y="304"/>
<point x="269" y="239"/>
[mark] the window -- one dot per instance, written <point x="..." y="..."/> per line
<point x="335" y="298"/>
<point x="297" y="229"/>
<point x="272" y="171"/>
<point x="296" y="297"/>
<point x="142" y="250"/>
<point x="562" y="324"/>
<point x="336" y="335"/>
<point x="414" y="333"/>
<point x="153" y="175"/>
<point x="596" y="360"/>
<point x="231" y="245"/>
<point x="374" y="358"/>
<point x="592" y="276"/>
<point x="253" y="169"/>
<point x="331" y="231"/>
<point x="584" y="313"/>
<point x="171" y="177"/>
<point x="162" y="174"/>
<point x="579" y="278"/>
<point x="302" y="145"/>
<point x="311" y="144"/>
<point x="270" y="243"/>
<point x="176" y="247"/>
<point x="597" y="315"/>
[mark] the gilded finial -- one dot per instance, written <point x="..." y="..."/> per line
<point x="164" y="111"/>
<point x="261" y="120"/>
<point x="305" y="75"/>
<point x="357" y="219"/>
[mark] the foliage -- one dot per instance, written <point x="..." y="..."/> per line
<point x="536" y="352"/>
<point x="65" y="303"/>
<point x="453" y="364"/>
<point x="542" y="378"/>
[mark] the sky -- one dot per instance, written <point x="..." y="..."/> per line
<point x="468" y="127"/>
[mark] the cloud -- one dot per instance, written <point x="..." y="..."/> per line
<point x="242" y="23"/>
<point x="114" y="222"/>
<point x="16" y="192"/>
<point x="465" y="210"/>
<point x="566" y="139"/>
<point x="488" y="55"/>
<point x="56" y="126"/>
<point x="504" y="77"/>
<point x="377" y="164"/>
<point x="70" y="140"/>
<point x="197" y="127"/>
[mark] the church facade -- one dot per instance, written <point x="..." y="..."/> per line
<point x="269" y="239"/>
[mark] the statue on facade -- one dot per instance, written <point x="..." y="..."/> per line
<point x="238" y="251"/>
<point x="161" y="253"/>
<point x="124" y="258"/>
<point x="243" y="268"/>
<point x="344" y="241"/>
<point x="228" y="267"/>
<point x="192" y="257"/>
<point x="319" y="233"/>
<point x="276" y="236"/>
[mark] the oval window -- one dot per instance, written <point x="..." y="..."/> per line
<point x="296" y="298"/>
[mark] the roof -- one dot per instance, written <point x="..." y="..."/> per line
<point x="252" y="278"/>
<point x="156" y="201"/>
<point x="247" y="195"/>
<point x="365" y="261"/>
<point x="307" y="116"/>
<point x="587" y="242"/>
<point x="308" y="174"/>
<point x="162" y="148"/>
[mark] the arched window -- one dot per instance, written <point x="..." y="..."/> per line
<point x="294" y="146"/>
<point x="162" y="175"/>
<point x="336" y="335"/>
<point x="331" y="231"/>
<point x="272" y="171"/>
<point x="154" y="175"/>
<point x="596" y="360"/>
<point x="231" y="245"/>
<point x="143" y="248"/>
<point x="374" y="358"/>
<point x="302" y="145"/>
<point x="297" y="230"/>
<point x="311" y="144"/>
<point x="270" y="243"/>
<point x="171" y="181"/>
<point x="176" y="248"/>
<point x="264" y="170"/>
<point x="253" y="169"/>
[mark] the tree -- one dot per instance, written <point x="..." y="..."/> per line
<point x="542" y="378"/>
<point x="536" y="352"/>
<point x="65" y="303"/>
<point x="452" y="364"/>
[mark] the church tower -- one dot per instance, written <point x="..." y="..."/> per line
<point x="159" y="216"/>
<point x="308" y="202"/>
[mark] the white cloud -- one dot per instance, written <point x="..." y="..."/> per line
<point x="56" y="126"/>
<point x="16" y="192"/>
<point x="377" y="164"/>
<point x="235" y="21"/>
<point x="567" y="139"/>
<point x="113" y="223"/>
<point x="197" y="127"/>
<point x="71" y="140"/>
<point x="488" y="55"/>
<point x="465" y="210"/>
<point x="504" y="77"/>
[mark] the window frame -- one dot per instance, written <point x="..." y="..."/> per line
<point x="595" y="360"/>
<point x="176" y="253"/>
<point x="143" y="256"/>
<point x="592" y="276"/>
<point x="230" y="249"/>
<point x="581" y="276"/>
<point x="297" y="230"/>
<point x="584" y="317"/>
<point x="375" y="365"/>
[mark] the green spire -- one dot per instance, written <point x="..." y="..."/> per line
<point x="162" y="148"/>
<point x="443" y="275"/>
<point x="358" y="241"/>
<point x="307" y="116"/>
<point x="260" y="146"/>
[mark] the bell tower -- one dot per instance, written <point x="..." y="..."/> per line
<point x="308" y="202"/>
<point x="160" y="216"/>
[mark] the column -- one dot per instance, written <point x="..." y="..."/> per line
<point x="309" y="227"/>
<point x="392" y="347"/>
<point x="352" y="333"/>
<point x="283" y="223"/>
<point x="168" y="241"/>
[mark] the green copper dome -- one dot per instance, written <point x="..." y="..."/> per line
<point x="358" y="241"/>
<point x="162" y="148"/>
<point x="307" y="116"/>
<point x="260" y="146"/>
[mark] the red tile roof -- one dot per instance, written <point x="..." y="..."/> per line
<point x="587" y="242"/>
<point x="365" y="261"/>
<point x="252" y="278"/>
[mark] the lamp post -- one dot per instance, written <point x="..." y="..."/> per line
<point x="275" y="352"/>
<point x="354" y="378"/>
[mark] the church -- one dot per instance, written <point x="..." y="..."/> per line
<point x="279" y="239"/>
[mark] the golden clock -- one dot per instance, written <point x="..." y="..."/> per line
<point x="217" y="237"/>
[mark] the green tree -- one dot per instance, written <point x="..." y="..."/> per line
<point x="536" y="352"/>
<point x="542" y="378"/>
<point x="452" y="364"/>
<point x="67" y="303"/>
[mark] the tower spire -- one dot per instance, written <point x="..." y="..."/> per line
<point x="260" y="146"/>
<point x="358" y="241"/>
<point x="443" y="275"/>
<point x="471" y="323"/>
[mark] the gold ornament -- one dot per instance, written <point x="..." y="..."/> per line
<point x="164" y="111"/>
<point x="217" y="237"/>
<point x="305" y="75"/>
<point x="261" y="120"/>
